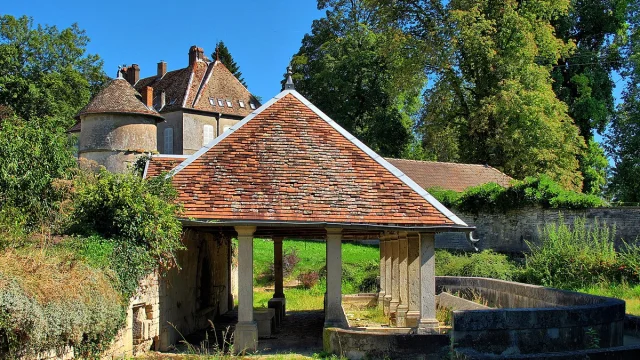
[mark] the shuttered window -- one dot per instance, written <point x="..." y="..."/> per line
<point x="208" y="134"/>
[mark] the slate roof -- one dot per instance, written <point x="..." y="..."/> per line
<point x="451" y="176"/>
<point x="288" y="162"/>
<point x="118" y="97"/>
<point x="193" y="86"/>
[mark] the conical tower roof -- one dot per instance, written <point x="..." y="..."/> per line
<point x="118" y="97"/>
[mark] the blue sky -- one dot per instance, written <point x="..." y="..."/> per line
<point x="261" y="35"/>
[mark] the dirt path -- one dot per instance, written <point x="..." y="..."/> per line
<point x="300" y="333"/>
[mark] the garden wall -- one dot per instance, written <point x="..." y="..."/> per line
<point x="508" y="232"/>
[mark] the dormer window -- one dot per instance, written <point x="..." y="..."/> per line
<point x="241" y="103"/>
<point x="212" y="101"/>
<point x="229" y="103"/>
<point x="252" y="106"/>
<point x="220" y="102"/>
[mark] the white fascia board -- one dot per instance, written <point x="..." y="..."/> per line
<point x="380" y="160"/>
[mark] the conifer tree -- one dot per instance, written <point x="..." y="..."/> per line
<point x="222" y="53"/>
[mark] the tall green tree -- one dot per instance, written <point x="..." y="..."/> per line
<point x="624" y="137"/>
<point x="366" y="78"/>
<point x="491" y="100"/>
<point x="583" y="79"/>
<point x="45" y="72"/>
<point x="222" y="53"/>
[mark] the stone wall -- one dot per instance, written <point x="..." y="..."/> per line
<point x="199" y="291"/>
<point x="508" y="232"/>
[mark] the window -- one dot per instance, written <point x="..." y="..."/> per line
<point x="226" y="128"/>
<point x="229" y="103"/>
<point x="212" y="101"/>
<point x="208" y="134"/>
<point x="252" y="105"/>
<point x="168" y="140"/>
<point x="241" y="103"/>
<point x="220" y="102"/>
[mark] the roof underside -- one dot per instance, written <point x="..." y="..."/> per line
<point x="288" y="165"/>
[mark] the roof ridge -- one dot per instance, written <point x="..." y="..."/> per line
<point x="348" y="136"/>
<point x="204" y="83"/>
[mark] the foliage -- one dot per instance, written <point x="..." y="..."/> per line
<point x="222" y="53"/>
<point x="45" y="72"/>
<point x="49" y="300"/>
<point x="624" y="136"/>
<point x="34" y="156"/>
<point x="582" y="79"/>
<point x="142" y="213"/>
<point x="595" y="166"/>
<point x="483" y="264"/>
<point x="578" y="256"/>
<point x="365" y="78"/>
<point x="309" y="279"/>
<point x="492" y="100"/>
<point x="532" y="191"/>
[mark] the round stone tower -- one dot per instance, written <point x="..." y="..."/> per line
<point x="118" y="125"/>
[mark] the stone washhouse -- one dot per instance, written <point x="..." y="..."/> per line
<point x="286" y="170"/>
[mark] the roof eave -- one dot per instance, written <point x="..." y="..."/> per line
<point x="323" y="224"/>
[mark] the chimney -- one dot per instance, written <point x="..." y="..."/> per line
<point x="162" y="99"/>
<point x="132" y="73"/>
<point x="147" y="96"/>
<point x="195" y="54"/>
<point x="162" y="68"/>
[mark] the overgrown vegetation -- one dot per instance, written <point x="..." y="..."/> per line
<point x="482" y="264"/>
<point x="532" y="191"/>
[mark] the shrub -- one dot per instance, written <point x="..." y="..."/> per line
<point x="532" y="191"/>
<point x="483" y="264"/>
<point x="577" y="257"/>
<point x="142" y="213"/>
<point x="309" y="279"/>
<point x="289" y="261"/>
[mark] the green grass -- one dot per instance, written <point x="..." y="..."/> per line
<point x="630" y="294"/>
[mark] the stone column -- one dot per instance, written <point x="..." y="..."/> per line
<point x="395" y="277"/>
<point x="413" y="276"/>
<point x="333" y="314"/>
<point x="382" y="272"/>
<point x="403" y="283"/>
<point x="278" y="302"/>
<point x="428" y="323"/>
<point x="387" y="278"/>
<point x="246" y="334"/>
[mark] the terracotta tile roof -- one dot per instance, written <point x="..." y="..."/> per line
<point x="118" y="97"/>
<point x="192" y="87"/>
<point x="289" y="162"/>
<point x="158" y="164"/>
<point x="451" y="176"/>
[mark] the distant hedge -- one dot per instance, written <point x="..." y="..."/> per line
<point x="530" y="192"/>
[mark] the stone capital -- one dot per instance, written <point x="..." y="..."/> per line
<point x="245" y="230"/>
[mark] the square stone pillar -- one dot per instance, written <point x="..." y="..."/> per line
<point x="387" y="278"/>
<point x="246" y="334"/>
<point x="403" y="283"/>
<point x="383" y="273"/>
<point x="395" y="276"/>
<point x="278" y="302"/>
<point x="333" y="314"/>
<point x="413" y="276"/>
<point x="428" y="323"/>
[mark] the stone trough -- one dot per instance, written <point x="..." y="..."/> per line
<point x="513" y="320"/>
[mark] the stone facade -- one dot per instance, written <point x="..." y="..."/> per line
<point x="509" y="232"/>
<point x="116" y="140"/>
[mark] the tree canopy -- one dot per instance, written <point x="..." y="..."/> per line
<point x="45" y="72"/>
<point x="624" y="137"/>
<point x="222" y="53"/>
<point x="366" y="79"/>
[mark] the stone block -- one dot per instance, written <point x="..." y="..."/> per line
<point x="279" y="305"/>
<point x="266" y="322"/>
